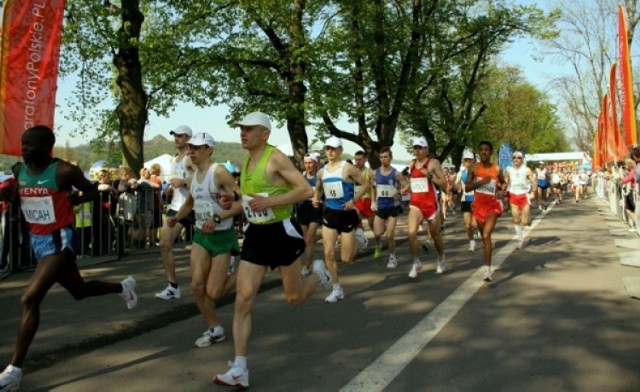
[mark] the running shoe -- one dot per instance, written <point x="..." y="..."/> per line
<point x="209" y="337"/>
<point x="169" y="292"/>
<point x="487" y="276"/>
<point x="305" y="271"/>
<point x="377" y="251"/>
<point x="234" y="377"/>
<point x="363" y="241"/>
<point x="472" y="245"/>
<point x="521" y="244"/>
<point x="415" y="268"/>
<point x="336" y="295"/>
<point x="393" y="263"/>
<point x="441" y="265"/>
<point x="324" y="277"/>
<point x="10" y="378"/>
<point x="129" y="292"/>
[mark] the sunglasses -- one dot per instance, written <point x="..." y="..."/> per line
<point x="516" y="157"/>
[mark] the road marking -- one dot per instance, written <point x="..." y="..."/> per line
<point x="378" y="375"/>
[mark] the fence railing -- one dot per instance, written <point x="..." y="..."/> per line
<point x="109" y="227"/>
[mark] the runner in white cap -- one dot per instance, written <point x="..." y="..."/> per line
<point x="467" y="198"/>
<point x="516" y="177"/>
<point x="270" y="186"/>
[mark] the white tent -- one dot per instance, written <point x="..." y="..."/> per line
<point x="581" y="156"/>
<point x="164" y="161"/>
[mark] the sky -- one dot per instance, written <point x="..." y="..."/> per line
<point x="213" y="120"/>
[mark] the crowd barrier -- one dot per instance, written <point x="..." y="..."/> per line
<point x="108" y="228"/>
<point x="613" y="194"/>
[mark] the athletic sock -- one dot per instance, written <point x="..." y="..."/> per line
<point x="240" y="362"/>
<point x="173" y="285"/>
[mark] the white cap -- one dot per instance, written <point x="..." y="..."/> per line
<point x="540" y="163"/>
<point x="201" y="139"/>
<point x="182" y="130"/>
<point x="420" y="141"/>
<point x="312" y="156"/>
<point x="255" y="118"/>
<point x="518" y="154"/>
<point x="334" y="142"/>
<point x="468" y="155"/>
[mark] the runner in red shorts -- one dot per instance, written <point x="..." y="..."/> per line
<point x="424" y="172"/>
<point x="519" y="179"/>
<point x="485" y="178"/>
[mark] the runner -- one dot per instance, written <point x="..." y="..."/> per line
<point x="309" y="217"/>
<point x="466" y="199"/>
<point x="516" y="177"/>
<point x="336" y="181"/>
<point x="45" y="187"/>
<point x="181" y="171"/>
<point x="270" y="186"/>
<point x="363" y="206"/>
<point x="424" y="173"/>
<point x="542" y="175"/>
<point x="485" y="178"/>
<point x="386" y="204"/>
<point x="214" y="240"/>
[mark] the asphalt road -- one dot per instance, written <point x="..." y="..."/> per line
<point x="556" y="318"/>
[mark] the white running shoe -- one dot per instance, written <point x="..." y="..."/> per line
<point x="10" y="378"/>
<point x="335" y="296"/>
<point x="363" y="241"/>
<point x="520" y="244"/>
<point x="393" y="263"/>
<point x="415" y="268"/>
<point x="169" y="293"/>
<point x="209" y="337"/>
<point x="305" y="271"/>
<point x="129" y="292"/>
<point x="441" y="265"/>
<point x="324" y="277"/>
<point x="487" y="276"/>
<point x="472" y="245"/>
<point x="234" y="377"/>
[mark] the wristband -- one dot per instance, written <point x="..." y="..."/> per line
<point x="217" y="219"/>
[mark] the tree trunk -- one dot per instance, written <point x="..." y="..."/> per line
<point x="132" y="108"/>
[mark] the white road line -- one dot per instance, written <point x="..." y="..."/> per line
<point x="378" y="375"/>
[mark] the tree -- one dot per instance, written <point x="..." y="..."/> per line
<point x="587" y="44"/>
<point x="518" y="113"/>
<point x="448" y="104"/>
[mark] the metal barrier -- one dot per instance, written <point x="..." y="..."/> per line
<point x="107" y="228"/>
<point x="613" y="193"/>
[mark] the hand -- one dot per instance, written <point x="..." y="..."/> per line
<point x="259" y="203"/>
<point x="350" y="205"/>
<point x="171" y="222"/>
<point x="208" y="226"/>
<point x="225" y="201"/>
<point x="315" y="202"/>
<point x="374" y="206"/>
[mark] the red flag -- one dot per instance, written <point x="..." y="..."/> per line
<point x="31" y="32"/>
<point x="621" y="149"/>
<point x="626" y="79"/>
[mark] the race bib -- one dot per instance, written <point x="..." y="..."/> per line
<point x="203" y="210"/>
<point x="255" y="216"/>
<point x="487" y="189"/>
<point x="333" y="190"/>
<point x="38" y="210"/>
<point x="419" y="185"/>
<point x="386" y="190"/>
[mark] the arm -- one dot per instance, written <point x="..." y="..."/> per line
<point x="318" y="191"/>
<point x="69" y="177"/>
<point x="228" y="184"/>
<point x="435" y="174"/>
<point x="184" y="211"/>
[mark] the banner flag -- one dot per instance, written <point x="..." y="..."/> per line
<point x="29" y="57"/>
<point x="626" y="80"/>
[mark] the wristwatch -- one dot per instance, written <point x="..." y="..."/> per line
<point x="217" y="219"/>
<point x="236" y="196"/>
